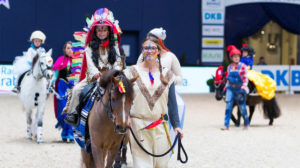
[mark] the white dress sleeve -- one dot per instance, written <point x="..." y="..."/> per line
<point x="176" y="69"/>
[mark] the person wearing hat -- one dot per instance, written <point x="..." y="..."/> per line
<point x="236" y="86"/>
<point x="24" y="63"/>
<point x="168" y="59"/>
<point x="247" y="55"/>
<point x="102" y="52"/>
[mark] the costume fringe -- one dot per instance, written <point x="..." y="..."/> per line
<point x="66" y="109"/>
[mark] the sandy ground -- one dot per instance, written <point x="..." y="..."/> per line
<point x="206" y="144"/>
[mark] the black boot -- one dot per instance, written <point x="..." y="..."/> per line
<point x="72" y="119"/>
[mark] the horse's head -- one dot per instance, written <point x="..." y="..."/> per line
<point x="220" y="81"/>
<point x="120" y="97"/>
<point x="45" y="63"/>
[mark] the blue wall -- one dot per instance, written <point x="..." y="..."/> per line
<point x="58" y="19"/>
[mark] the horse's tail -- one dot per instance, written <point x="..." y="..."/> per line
<point x="87" y="160"/>
<point x="271" y="108"/>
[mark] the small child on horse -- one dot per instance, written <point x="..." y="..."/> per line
<point x="247" y="55"/>
<point x="24" y="63"/>
<point x="236" y="86"/>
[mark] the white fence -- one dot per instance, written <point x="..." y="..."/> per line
<point x="287" y="78"/>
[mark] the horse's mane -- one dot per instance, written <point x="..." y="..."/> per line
<point x="106" y="80"/>
<point x="34" y="60"/>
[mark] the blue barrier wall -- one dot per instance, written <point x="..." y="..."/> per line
<point x="58" y="19"/>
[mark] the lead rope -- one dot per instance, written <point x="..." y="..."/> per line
<point x="180" y="147"/>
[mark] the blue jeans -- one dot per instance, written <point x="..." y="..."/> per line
<point x="239" y="96"/>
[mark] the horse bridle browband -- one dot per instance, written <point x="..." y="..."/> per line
<point x="41" y="70"/>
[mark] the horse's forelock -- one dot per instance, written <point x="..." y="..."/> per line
<point x="106" y="80"/>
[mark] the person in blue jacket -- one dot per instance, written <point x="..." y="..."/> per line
<point x="247" y="55"/>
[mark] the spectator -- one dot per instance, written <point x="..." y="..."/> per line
<point x="261" y="61"/>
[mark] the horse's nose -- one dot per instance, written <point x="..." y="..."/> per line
<point x="120" y="130"/>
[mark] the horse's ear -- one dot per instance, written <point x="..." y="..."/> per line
<point x="50" y="52"/>
<point x="134" y="78"/>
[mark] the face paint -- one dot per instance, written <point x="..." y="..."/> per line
<point x="155" y="55"/>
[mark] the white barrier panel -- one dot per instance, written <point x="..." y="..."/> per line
<point x="194" y="79"/>
<point x="295" y="78"/>
<point x="7" y="78"/>
<point x="285" y="76"/>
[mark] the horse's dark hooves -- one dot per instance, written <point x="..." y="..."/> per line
<point x="237" y="124"/>
<point x="117" y="165"/>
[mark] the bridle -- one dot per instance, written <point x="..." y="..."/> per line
<point x="41" y="70"/>
<point x="109" y="107"/>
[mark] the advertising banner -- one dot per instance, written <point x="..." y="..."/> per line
<point x="7" y="79"/>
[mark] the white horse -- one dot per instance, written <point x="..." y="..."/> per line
<point x="33" y="93"/>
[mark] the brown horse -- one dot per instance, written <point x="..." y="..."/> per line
<point x="108" y="119"/>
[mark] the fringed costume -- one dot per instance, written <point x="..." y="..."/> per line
<point x="152" y="100"/>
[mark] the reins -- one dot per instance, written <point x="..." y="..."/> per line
<point x="180" y="147"/>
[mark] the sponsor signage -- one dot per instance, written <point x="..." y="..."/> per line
<point x="213" y="17"/>
<point x="212" y="30"/>
<point x="194" y="80"/>
<point x="286" y="77"/>
<point x="212" y="4"/>
<point x="7" y="78"/>
<point x="212" y="55"/>
<point x="213" y="42"/>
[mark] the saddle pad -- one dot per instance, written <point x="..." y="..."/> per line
<point x="80" y="133"/>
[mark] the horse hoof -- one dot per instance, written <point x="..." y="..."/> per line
<point x="123" y="165"/>
<point x="117" y="165"/>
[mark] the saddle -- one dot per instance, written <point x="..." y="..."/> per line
<point x="87" y="98"/>
<point x="85" y="94"/>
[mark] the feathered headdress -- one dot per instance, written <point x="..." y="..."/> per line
<point x="102" y="16"/>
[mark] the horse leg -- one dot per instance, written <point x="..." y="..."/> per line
<point x="111" y="155"/>
<point x="271" y="121"/>
<point x="87" y="160"/>
<point x="98" y="155"/>
<point x="251" y="109"/>
<point x="29" y="122"/>
<point x="40" y="114"/>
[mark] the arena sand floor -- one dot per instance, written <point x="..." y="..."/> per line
<point x="207" y="146"/>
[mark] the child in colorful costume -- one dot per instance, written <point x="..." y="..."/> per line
<point x="101" y="53"/>
<point x="24" y="63"/>
<point x="236" y="86"/>
<point x="264" y="85"/>
<point x="154" y="98"/>
<point x="66" y="74"/>
<point x="247" y="55"/>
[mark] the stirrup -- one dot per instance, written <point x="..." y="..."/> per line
<point x="74" y="122"/>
